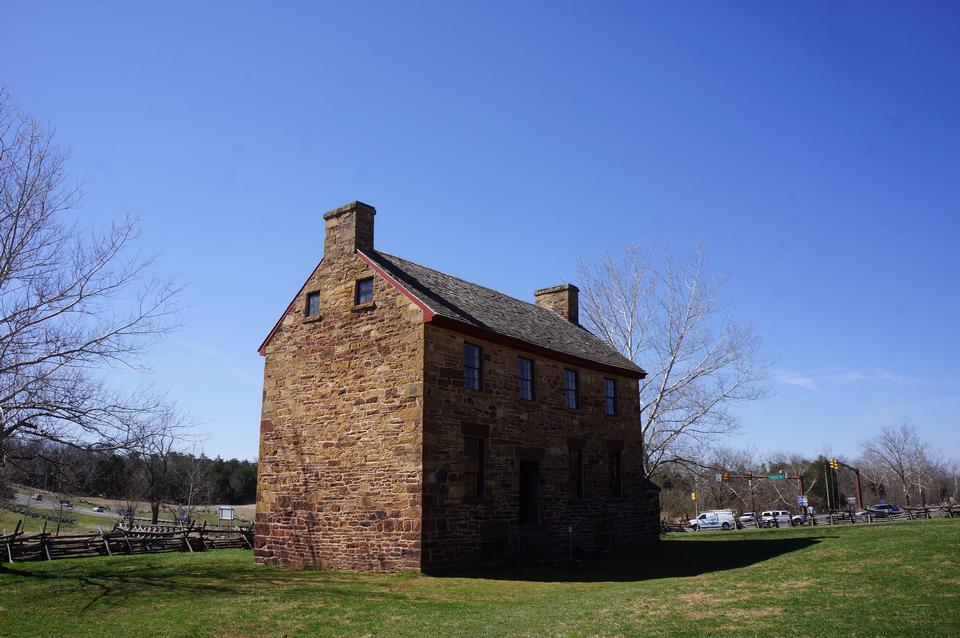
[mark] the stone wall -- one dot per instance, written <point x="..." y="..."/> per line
<point x="460" y="530"/>
<point x="340" y="475"/>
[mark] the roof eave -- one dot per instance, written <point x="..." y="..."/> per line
<point x="519" y="344"/>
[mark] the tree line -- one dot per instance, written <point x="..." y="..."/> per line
<point x="896" y="466"/>
<point x="164" y="481"/>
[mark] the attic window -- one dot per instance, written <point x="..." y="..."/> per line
<point x="364" y="291"/>
<point x="313" y="304"/>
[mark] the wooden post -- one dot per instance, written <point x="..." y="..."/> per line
<point x="186" y="540"/>
<point x="127" y="539"/>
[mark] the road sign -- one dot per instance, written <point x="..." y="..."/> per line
<point x="776" y="477"/>
<point x="801" y="501"/>
<point x="719" y="477"/>
<point x="693" y="496"/>
<point x="851" y="500"/>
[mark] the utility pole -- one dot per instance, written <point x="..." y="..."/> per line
<point x="826" y="482"/>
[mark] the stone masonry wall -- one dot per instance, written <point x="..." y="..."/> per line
<point x="455" y="526"/>
<point x="340" y="476"/>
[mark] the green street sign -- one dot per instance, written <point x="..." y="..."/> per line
<point x="776" y="477"/>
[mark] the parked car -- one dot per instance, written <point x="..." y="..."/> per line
<point x="799" y="519"/>
<point x="98" y="508"/>
<point x="883" y="510"/>
<point x="714" y="519"/>
<point x="775" y="518"/>
<point x="38" y="497"/>
<point x="749" y="519"/>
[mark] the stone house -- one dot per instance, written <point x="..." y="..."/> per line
<point x="413" y="420"/>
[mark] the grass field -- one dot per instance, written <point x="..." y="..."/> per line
<point x="898" y="579"/>
<point x="82" y="522"/>
<point x="85" y="521"/>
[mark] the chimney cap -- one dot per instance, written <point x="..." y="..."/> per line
<point x="552" y="289"/>
<point x="355" y="205"/>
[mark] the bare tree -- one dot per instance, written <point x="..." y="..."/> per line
<point x="193" y="476"/>
<point x="156" y="453"/>
<point x="901" y="452"/>
<point x="73" y="304"/>
<point x="666" y="316"/>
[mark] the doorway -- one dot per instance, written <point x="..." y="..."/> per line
<point x="529" y="510"/>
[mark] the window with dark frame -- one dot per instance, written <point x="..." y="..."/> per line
<point x="575" y="461"/>
<point x="571" y="387"/>
<point x="472" y="467"/>
<point x="525" y="378"/>
<point x="472" y="366"/>
<point x="313" y="304"/>
<point x="364" y="291"/>
<point x="610" y="406"/>
<point x="615" y="469"/>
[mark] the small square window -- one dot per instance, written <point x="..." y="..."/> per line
<point x="364" y="292"/>
<point x="313" y="304"/>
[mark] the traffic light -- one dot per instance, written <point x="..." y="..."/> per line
<point x="726" y="476"/>
<point x="749" y="474"/>
<point x="834" y="464"/>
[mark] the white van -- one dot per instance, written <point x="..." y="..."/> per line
<point x="714" y="519"/>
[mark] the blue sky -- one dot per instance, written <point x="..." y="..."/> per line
<point x="814" y="148"/>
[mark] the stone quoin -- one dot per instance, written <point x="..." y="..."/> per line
<point x="415" y="421"/>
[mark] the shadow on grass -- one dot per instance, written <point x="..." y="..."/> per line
<point x="86" y="585"/>
<point x="666" y="560"/>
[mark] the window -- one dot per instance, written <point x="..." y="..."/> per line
<point x="610" y="397"/>
<point x="364" y="292"/>
<point x="571" y="388"/>
<point x="616" y="472"/>
<point x="313" y="304"/>
<point x="525" y="378"/>
<point x="472" y="366"/>
<point x="575" y="460"/>
<point x="472" y="467"/>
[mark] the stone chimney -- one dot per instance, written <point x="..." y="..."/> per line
<point x="563" y="300"/>
<point x="347" y="229"/>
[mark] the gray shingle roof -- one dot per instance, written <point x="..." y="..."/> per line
<point x="496" y="312"/>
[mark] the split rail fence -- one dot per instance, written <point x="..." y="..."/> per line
<point x="121" y="540"/>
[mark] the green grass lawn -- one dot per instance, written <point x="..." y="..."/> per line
<point x="83" y="523"/>
<point x="899" y="579"/>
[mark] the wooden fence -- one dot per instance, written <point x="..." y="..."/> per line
<point x="19" y="547"/>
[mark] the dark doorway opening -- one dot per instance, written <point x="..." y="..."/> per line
<point x="529" y="512"/>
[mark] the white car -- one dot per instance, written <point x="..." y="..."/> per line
<point x="749" y="519"/>
<point x="714" y="519"/>
<point x="775" y="518"/>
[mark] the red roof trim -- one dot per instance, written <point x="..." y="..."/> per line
<point x="276" y="327"/>
<point x="518" y="344"/>
<point x="428" y="314"/>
